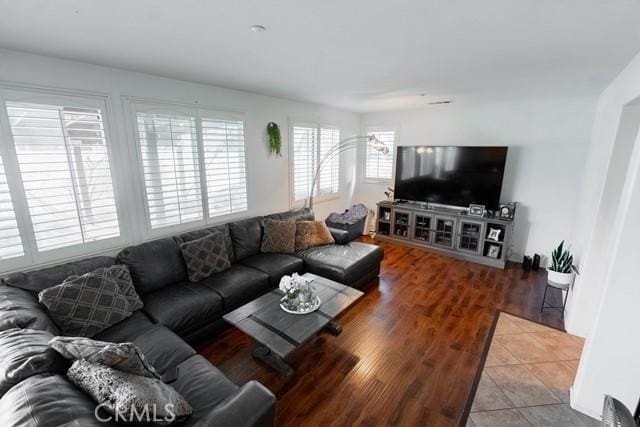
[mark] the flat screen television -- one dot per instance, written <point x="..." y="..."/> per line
<point x="446" y="175"/>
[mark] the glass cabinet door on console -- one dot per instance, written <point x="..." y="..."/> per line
<point x="445" y="228"/>
<point x="401" y="224"/>
<point x="422" y="228"/>
<point x="469" y="236"/>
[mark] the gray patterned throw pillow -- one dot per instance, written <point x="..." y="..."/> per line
<point x="129" y="394"/>
<point x="205" y="256"/>
<point x="279" y="236"/>
<point x="120" y="273"/>
<point x="125" y="357"/>
<point x="88" y="304"/>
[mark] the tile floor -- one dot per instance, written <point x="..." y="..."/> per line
<point x="526" y="377"/>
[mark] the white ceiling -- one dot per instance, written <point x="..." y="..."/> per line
<point x="363" y="55"/>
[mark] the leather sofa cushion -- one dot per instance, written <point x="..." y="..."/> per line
<point x="197" y="234"/>
<point x="275" y="265"/>
<point x="25" y="353"/>
<point x="162" y="348"/>
<point x="341" y="237"/>
<point x="20" y="309"/>
<point x="47" y="400"/>
<point x="154" y="265"/>
<point x="343" y="263"/>
<point x="203" y="386"/>
<point x="183" y="307"/>
<point x="237" y="285"/>
<point x="298" y="214"/>
<point x="246" y="236"/>
<point x="38" y="280"/>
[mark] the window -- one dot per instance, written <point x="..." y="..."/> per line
<point x="329" y="180"/>
<point x="310" y="145"/>
<point x="171" y="168"/>
<point x="11" y="243"/>
<point x="378" y="165"/>
<point x="64" y="177"/>
<point x="193" y="164"/>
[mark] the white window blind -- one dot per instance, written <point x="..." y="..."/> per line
<point x="305" y="147"/>
<point x="64" y="165"/>
<point x="226" y="177"/>
<point x="193" y="164"/>
<point x="10" y="240"/>
<point x="378" y="165"/>
<point x="310" y="145"/>
<point x="171" y="168"/>
<point x="329" y="180"/>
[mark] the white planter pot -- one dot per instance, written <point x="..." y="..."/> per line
<point x="560" y="278"/>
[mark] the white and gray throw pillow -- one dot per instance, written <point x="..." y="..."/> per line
<point x="88" y="304"/>
<point x="129" y="394"/>
<point x="206" y="256"/>
<point x="125" y="357"/>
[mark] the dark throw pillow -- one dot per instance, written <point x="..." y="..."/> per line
<point x="205" y="256"/>
<point x="312" y="233"/>
<point x="279" y="236"/>
<point x="129" y="394"/>
<point x="25" y="353"/>
<point x="88" y="304"/>
<point x="125" y="357"/>
<point x="120" y="273"/>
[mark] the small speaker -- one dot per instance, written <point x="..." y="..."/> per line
<point x="526" y="263"/>
<point x="536" y="262"/>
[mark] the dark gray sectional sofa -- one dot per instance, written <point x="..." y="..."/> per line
<point x="176" y="313"/>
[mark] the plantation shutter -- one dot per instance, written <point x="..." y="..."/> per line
<point x="224" y="158"/>
<point x="378" y="165"/>
<point x="304" y="160"/>
<point x="10" y="240"/>
<point x="171" y="168"/>
<point x="329" y="180"/>
<point x="64" y="164"/>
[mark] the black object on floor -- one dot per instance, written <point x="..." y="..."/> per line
<point x="536" y="262"/>
<point x="526" y="263"/>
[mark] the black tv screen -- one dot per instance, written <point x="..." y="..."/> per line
<point x="457" y="176"/>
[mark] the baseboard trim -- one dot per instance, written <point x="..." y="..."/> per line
<point x="588" y="412"/>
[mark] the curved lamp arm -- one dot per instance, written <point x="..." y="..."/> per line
<point x="341" y="146"/>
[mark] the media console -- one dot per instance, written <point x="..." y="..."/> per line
<point x="452" y="231"/>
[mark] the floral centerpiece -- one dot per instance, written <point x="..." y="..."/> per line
<point x="299" y="294"/>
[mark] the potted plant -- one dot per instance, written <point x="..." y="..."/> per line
<point x="561" y="269"/>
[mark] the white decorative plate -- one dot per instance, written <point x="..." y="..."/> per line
<point x="314" y="307"/>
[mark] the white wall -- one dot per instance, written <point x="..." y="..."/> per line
<point x="606" y="298"/>
<point x="547" y="139"/>
<point x="268" y="176"/>
<point x="596" y="205"/>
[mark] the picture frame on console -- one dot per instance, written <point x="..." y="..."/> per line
<point x="476" y="210"/>
<point x="493" y="251"/>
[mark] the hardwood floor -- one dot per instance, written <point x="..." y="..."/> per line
<point x="410" y="348"/>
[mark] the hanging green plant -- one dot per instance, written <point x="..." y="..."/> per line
<point x="275" y="140"/>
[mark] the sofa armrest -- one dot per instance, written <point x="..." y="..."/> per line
<point x="340" y="236"/>
<point x="20" y="309"/>
<point x="251" y="405"/>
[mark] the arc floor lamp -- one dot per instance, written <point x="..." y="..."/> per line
<point x="344" y="145"/>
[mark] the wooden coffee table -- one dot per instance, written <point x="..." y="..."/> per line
<point x="279" y="333"/>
